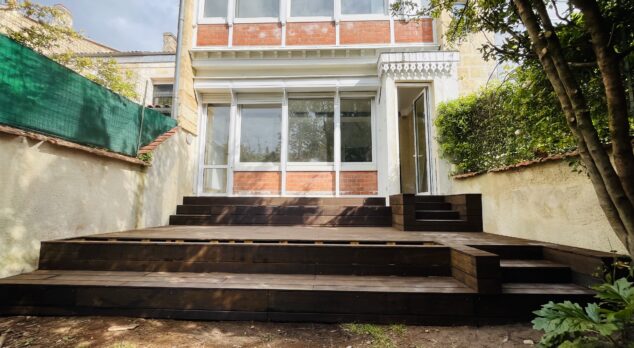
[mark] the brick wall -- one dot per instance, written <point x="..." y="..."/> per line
<point x="414" y="31"/>
<point x="311" y="33"/>
<point x="358" y="183"/>
<point x="364" y="32"/>
<point x="213" y="35"/>
<point x="315" y="182"/>
<point x="257" y="34"/>
<point x="263" y="183"/>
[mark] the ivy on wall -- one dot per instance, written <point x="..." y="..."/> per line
<point x="508" y="123"/>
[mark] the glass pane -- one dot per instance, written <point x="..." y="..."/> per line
<point x="215" y="181"/>
<point x="421" y="145"/>
<point x="257" y="8"/>
<point x="217" y="136"/>
<point x="260" y="133"/>
<point x="307" y="8"/>
<point x="216" y="8"/>
<point x="356" y="130"/>
<point x="311" y="130"/>
<point x="363" y="7"/>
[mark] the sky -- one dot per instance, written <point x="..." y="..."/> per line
<point x="126" y="25"/>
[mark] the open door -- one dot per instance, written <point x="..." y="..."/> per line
<point x="421" y="144"/>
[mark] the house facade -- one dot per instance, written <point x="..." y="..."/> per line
<point x="316" y="98"/>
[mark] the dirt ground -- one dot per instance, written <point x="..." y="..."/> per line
<point x="137" y="333"/>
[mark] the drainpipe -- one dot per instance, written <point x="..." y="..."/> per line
<point x="179" y="49"/>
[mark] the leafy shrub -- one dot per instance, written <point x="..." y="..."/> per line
<point x="610" y="323"/>
<point x="508" y="123"/>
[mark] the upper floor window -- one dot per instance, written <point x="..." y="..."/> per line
<point x="162" y="96"/>
<point x="360" y="7"/>
<point x="215" y="8"/>
<point x="257" y="8"/>
<point x="312" y="8"/>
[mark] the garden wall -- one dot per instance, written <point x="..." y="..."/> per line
<point x="545" y="202"/>
<point x="51" y="192"/>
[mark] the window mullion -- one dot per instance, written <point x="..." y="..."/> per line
<point x="337" y="142"/>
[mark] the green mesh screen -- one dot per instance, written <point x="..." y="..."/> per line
<point x="40" y="95"/>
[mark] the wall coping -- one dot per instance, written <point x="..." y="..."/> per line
<point x="521" y="165"/>
<point x="71" y="145"/>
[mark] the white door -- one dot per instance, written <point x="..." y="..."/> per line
<point x="421" y="144"/>
<point x="214" y="164"/>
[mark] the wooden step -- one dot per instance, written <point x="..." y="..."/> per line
<point x="291" y="201"/>
<point x="534" y="271"/>
<point x="280" y="220"/>
<point x="283" y="210"/>
<point x="514" y="252"/>
<point x="437" y="215"/>
<point x="247" y="257"/>
<point x="430" y="199"/>
<point x="433" y="206"/>
<point x="271" y="297"/>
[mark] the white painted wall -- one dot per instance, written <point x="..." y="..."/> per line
<point x="545" y="202"/>
<point x="49" y="192"/>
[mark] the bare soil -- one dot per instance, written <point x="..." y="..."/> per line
<point x="102" y="332"/>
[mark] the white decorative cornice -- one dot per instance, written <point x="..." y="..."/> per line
<point x="414" y="65"/>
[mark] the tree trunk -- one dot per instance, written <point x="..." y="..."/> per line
<point x="609" y="66"/>
<point x="607" y="185"/>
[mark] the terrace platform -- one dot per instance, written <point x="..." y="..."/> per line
<point x="299" y="273"/>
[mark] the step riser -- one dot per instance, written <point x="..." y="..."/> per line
<point x="248" y="258"/>
<point x="293" y="201"/>
<point x="438" y="215"/>
<point x="434" y="206"/>
<point x="518" y="252"/>
<point x="279" y="220"/>
<point x="283" y="210"/>
<point x="273" y="305"/>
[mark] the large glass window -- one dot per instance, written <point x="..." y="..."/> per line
<point x="257" y="8"/>
<point x="352" y="7"/>
<point x="260" y="133"/>
<point x="311" y="130"/>
<point x="312" y="8"/>
<point x="215" y="8"/>
<point x="356" y="130"/>
<point x="162" y="97"/>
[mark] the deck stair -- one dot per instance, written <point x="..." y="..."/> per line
<point x="278" y="211"/>
<point x="419" y="280"/>
<point x="453" y="213"/>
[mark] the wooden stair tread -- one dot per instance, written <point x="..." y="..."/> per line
<point x="510" y="263"/>
<point x="545" y="288"/>
<point x="282" y="282"/>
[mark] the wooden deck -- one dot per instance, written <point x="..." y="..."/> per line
<point x="295" y="273"/>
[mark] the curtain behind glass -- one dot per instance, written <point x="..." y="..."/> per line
<point x="216" y="8"/>
<point x="257" y="8"/>
<point x="312" y="8"/>
<point x="217" y="135"/>
<point x="363" y="7"/>
<point x="311" y="130"/>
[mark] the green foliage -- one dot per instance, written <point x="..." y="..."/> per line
<point x="380" y="336"/>
<point x="50" y="37"/>
<point x="146" y="157"/>
<point x="607" y="324"/>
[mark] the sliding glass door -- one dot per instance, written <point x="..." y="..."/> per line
<point x="215" y="164"/>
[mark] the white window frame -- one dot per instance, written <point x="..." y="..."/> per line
<point x="291" y="18"/>
<point x="364" y="166"/>
<point x="201" y="153"/>
<point x="213" y="20"/>
<point x="233" y="5"/>
<point x="365" y="16"/>
<point x="255" y="166"/>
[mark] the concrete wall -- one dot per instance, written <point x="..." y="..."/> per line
<point x="50" y="192"/>
<point x="545" y="202"/>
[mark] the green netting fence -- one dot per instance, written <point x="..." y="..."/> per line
<point x="41" y="95"/>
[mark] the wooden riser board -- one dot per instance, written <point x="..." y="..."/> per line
<point x="428" y="260"/>
<point x="272" y="297"/>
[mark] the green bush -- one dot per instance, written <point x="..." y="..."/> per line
<point x="508" y="123"/>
